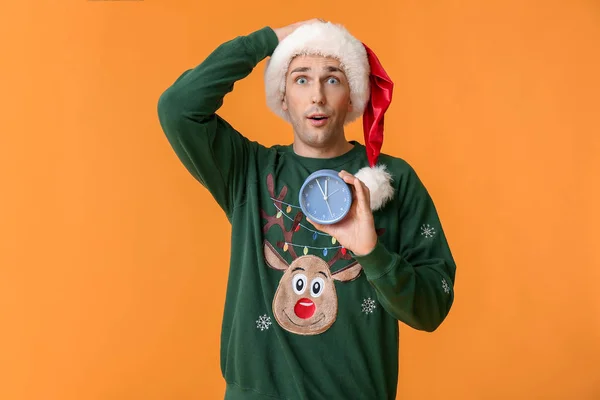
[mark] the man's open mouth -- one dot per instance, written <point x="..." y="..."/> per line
<point x="318" y="120"/>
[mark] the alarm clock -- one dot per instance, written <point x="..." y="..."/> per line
<point x="324" y="197"/>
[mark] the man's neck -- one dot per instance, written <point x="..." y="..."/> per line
<point x="342" y="147"/>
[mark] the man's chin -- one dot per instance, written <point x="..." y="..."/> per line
<point x="320" y="139"/>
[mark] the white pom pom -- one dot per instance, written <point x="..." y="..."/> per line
<point x="378" y="180"/>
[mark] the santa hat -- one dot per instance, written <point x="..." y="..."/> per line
<point x="370" y="90"/>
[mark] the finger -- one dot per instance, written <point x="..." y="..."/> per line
<point x="354" y="182"/>
<point x="351" y="179"/>
<point x="346" y="176"/>
<point x="320" y="227"/>
<point x="362" y="194"/>
<point x="367" y="192"/>
<point x="311" y="21"/>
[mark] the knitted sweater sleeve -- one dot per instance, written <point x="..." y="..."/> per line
<point x="210" y="148"/>
<point x="415" y="284"/>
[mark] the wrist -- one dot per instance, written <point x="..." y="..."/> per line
<point x="366" y="247"/>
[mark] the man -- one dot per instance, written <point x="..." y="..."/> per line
<point x="312" y="309"/>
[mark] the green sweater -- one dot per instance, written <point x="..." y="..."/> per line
<point x="346" y="346"/>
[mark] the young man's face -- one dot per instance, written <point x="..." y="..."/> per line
<point x="317" y="99"/>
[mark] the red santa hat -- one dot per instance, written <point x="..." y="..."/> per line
<point x="370" y="90"/>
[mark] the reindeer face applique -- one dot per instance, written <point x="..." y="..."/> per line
<point x="305" y="302"/>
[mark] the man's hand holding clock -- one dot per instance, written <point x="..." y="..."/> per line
<point x="356" y="231"/>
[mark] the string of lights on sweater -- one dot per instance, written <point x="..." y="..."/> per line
<point x="316" y="234"/>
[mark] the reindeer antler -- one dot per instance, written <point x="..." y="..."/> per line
<point x="273" y="220"/>
<point x="271" y="187"/>
<point x="341" y="254"/>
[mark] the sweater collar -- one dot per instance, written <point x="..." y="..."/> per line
<point x="326" y="163"/>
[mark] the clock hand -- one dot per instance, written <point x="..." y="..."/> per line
<point x="321" y="188"/>
<point x="326" y="189"/>
<point x="331" y="194"/>
<point x="326" y="202"/>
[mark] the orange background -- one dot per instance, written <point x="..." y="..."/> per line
<point x="114" y="260"/>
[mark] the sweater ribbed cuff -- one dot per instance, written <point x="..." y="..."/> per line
<point x="264" y="41"/>
<point x="377" y="263"/>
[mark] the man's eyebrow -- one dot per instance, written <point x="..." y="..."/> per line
<point x="300" y="69"/>
<point x="334" y="69"/>
<point x="306" y="69"/>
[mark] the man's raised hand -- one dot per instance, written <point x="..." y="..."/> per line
<point x="283" y="32"/>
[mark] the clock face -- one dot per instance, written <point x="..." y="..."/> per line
<point x="325" y="197"/>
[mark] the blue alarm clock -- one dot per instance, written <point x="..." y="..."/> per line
<point x="324" y="197"/>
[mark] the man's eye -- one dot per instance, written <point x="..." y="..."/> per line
<point x="333" y="80"/>
<point x="301" y="81"/>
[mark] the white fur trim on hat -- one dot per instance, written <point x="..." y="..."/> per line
<point x="328" y="40"/>
<point x="378" y="180"/>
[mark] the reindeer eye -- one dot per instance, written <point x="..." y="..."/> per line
<point x="316" y="287"/>
<point x="299" y="283"/>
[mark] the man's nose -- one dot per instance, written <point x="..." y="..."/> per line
<point x="317" y="95"/>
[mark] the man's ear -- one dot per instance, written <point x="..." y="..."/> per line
<point x="284" y="105"/>
<point x="350" y="106"/>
